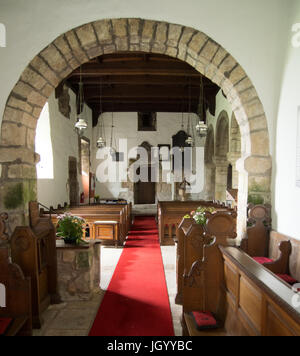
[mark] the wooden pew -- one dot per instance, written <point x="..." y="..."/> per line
<point x="34" y="250"/>
<point x="180" y="238"/>
<point x="276" y="239"/>
<point x="203" y="278"/>
<point x="257" y="302"/>
<point x="118" y="216"/>
<point x="17" y="291"/>
<point x="123" y="209"/>
<point x="91" y="218"/>
<point x="170" y="214"/>
<point x="256" y="243"/>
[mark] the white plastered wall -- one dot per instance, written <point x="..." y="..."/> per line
<point x="286" y="212"/>
<point x="53" y="190"/>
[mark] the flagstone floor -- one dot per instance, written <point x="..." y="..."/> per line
<point x="76" y="318"/>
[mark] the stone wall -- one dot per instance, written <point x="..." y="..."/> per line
<point x="78" y="272"/>
<point x="77" y="46"/>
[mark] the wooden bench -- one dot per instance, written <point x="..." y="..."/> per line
<point x="34" y="250"/>
<point x="121" y="209"/>
<point x="90" y="231"/>
<point x="256" y="243"/>
<point x="170" y="213"/>
<point x="17" y="291"/>
<point x="122" y="213"/>
<point x="257" y="302"/>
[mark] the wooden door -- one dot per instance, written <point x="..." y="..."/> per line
<point x="73" y="182"/>
<point x="145" y="192"/>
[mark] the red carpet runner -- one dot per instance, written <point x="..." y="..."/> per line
<point x="136" y="302"/>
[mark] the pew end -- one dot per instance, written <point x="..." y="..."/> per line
<point x="18" y="297"/>
<point x="281" y="265"/>
<point x="202" y="285"/>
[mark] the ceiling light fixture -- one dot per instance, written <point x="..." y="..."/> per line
<point x="81" y="124"/>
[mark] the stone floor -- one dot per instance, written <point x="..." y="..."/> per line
<point x="144" y="209"/>
<point x="76" y="318"/>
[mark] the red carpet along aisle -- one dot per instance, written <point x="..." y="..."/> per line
<point x="136" y="302"/>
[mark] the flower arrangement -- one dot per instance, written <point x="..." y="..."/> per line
<point x="70" y="228"/>
<point x="199" y="214"/>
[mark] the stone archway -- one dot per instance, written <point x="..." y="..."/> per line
<point x="77" y="46"/>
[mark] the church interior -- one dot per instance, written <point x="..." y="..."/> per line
<point x="149" y="168"/>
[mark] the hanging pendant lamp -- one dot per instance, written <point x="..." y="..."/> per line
<point x="101" y="142"/>
<point x="190" y="139"/>
<point x="201" y="127"/>
<point x="112" y="149"/>
<point x="81" y="124"/>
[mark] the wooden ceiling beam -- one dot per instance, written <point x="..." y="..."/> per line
<point x="95" y="81"/>
<point x="133" y="68"/>
<point x="140" y="107"/>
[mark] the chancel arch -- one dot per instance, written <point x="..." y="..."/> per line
<point x="77" y="46"/>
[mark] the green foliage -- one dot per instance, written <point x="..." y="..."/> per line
<point x="70" y="228"/>
<point x="199" y="215"/>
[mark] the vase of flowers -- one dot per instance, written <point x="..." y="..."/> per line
<point x="199" y="215"/>
<point x="70" y="228"/>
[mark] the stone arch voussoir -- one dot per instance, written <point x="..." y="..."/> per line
<point x="77" y="46"/>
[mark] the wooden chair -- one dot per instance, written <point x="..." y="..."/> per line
<point x="17" y="304"/>
<point x="256" y="243"/>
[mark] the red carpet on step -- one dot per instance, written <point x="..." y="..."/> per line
<point x="136" y="302"/>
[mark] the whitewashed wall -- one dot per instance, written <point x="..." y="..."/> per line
<point x="56" y="143"/>
<point x="286" y="210"/>
<point x="126" y="127"/>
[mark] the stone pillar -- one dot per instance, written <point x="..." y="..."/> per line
<point x="18" y="180"/>
<point x="210" y="174"/>
<point x="259" y="179"/>
<point x="232" y="158"/>
<point x="221" y="164"/>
